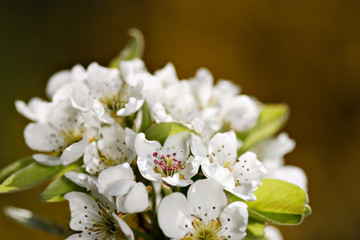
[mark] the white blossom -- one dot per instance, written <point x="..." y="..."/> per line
<point x="94" y="220"/>
<point x="116" y="187"/>
<point x="170" y="163"/>
<point x="203" y="214"/>
<point x="219" y="161"/>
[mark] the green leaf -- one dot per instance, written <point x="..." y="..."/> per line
<point x="56" y="190"/>
<point x="29" y="219"/>
<point x="29" y="176"/>
<point x="134" y="48"/>
<point x="255" y="230"/>
<point x="145" y="118"/>
<point x="161" y="131"/>
<point x="272" y="118"/>
<point x="279" y="202"/>
<point x="13" y="167"/>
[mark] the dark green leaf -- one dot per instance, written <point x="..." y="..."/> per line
<point x="13" y="167"/>
<point x="134" y="48"/>
<point x="29" y="219"/>
<point x="272" y="118"/>
<point x="29" y="176"/>
<point x="161" y="131"/>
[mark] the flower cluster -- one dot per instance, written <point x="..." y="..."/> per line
<point x="151" y="156"/>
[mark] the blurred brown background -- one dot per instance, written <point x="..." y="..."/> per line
<point x="305" y="53"/>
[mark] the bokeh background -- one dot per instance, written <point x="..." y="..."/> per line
<point x="304" y="53"/>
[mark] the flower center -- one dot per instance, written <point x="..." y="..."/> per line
<point x="167" y="165"/>
<point x="107" y="226"/>
<point x="204" y="230"/>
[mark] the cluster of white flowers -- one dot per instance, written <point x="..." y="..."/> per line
<point x="97" y="115"/>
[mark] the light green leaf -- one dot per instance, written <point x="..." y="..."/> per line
<point x="272" y="118"/>
<point x="56" y="190"/>
<point x="279" y="202"/>
<point x="13" y="167"/>
<point x="134" y="48"/>
<point x="31" y="175"/>
<point x="145" y="118"/>
<point x="29" y="219"/>
<point x="161" y="131"/>
<point x="255" y="230"/>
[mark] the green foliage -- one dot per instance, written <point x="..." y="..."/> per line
<point x="13" y="167"/>
<point x="161" y="131"/>
<point x="134" y="48"/>
<point x="25" y="174"/>
<point x="56" y="190"/>
<point x="279" y="202"/>
<point x="255" y="230"/>
<point x="272" y="118"/>
<point x="145" y="117"/>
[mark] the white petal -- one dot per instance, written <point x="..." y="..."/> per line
<point x="47" y="159"/>
<point x="198" y="148"/>
<point x="272" y="233"/>
<point x="74" y="151"/>
<point x="223" y="148"/>
<point x="84" y="210"/>
<point x="291" y="174"/>
<point x="191" y="167"/>
<point x="145" y="150"/>
<point x="225" y="90"/>
<point x="234" y="220"/>
<point x="102" y="80"/>
<point x="131" y="67"/>
<point x="83" y="180"/>
<point x="36" y="110"/>
<point x="136" y="200"/>
<point x="167" y="75"/>
<point x="42" y="137"/>
<point x="207" y="199"/>
<point x="77" y="92"/>
<point x="126" y="230"/>
<point x="174" y="215"/>
<point x="114" y="174"/>
<point x="92" y="161"/>
<point x="130" y="136"/>
<point x="248" y="168"/>
<point x="248" y="171"/>
<point x="159" y="113"/>
<point x="146" y="169"/>
<point x="118" y="188"/>
<point x="178" y="144"/>
<point x="202" y="86"/>
<point x="271" y="151"/>
<point x="245" y="191"/>
<point x="131" y="107"/>
<point x="242" y="113"/>
<point x="219" y="174"/>
<point x="113" y="145"/>
<point x="100" y="112"/>
<point x="176" y="181"/>
<point x="58" y="80"/>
